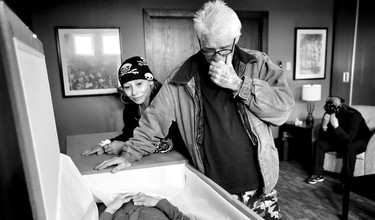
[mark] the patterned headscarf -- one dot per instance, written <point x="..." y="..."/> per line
<point x="333" y="104"/>
<point x="134" y="68"/>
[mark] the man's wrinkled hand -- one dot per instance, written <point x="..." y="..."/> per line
<point x="115" y="147"/>
<point x="224" y="75"/>
<point x="95" y="150"/>
<point x="142" y="199"/>
<point x="120" y="163"/>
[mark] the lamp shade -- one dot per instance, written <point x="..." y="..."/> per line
<point x="311" y="92"/>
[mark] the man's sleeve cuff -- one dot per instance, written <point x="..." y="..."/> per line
<point x="245" y="90"/>
<point x="131" y="158"/>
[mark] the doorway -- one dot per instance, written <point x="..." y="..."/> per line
<point x="170" y="37"/>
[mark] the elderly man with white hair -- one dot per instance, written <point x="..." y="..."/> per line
<point x="225" y="100"/>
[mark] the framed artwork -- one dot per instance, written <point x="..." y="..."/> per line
<point x="89" y="59"/>
<point x="310" y="53"/>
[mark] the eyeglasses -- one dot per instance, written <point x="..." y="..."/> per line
<point x="223" y="52"/>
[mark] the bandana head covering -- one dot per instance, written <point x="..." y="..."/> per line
<point x="134" y="68"/>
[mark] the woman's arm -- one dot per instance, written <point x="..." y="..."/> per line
<point x="155" y="122"/>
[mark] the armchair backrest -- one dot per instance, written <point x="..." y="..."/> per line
<point x="368" y="113"/>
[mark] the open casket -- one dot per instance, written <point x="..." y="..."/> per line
<point x="67" y="188"/>
<point x="179" y="183"/>
<point x="166" y="175"/>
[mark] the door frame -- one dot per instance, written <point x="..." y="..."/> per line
<point x="261" y="16"/>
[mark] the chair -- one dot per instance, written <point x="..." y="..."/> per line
<point x="365" y="162"/>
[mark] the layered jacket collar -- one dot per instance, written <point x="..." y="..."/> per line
<point x="190" y="67"/>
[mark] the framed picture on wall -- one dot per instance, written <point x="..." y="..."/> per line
<point x="89" y="59"/>
<point x="310" y="53"/>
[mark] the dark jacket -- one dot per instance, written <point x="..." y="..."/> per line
<point x="264" y="99"/>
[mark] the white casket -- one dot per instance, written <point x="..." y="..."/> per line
<point x="166" y="175"/>
<point x="61" y="187"/>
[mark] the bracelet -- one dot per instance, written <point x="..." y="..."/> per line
<point x="105" y="142"/>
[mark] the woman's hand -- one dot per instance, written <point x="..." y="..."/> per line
<point x="95" y="150"/>
<point x="142" y="199"/>
<point x="120" y="163"/>
<point x="115" y="147"/>
<point x="118" y="201"/>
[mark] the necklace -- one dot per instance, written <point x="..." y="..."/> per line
<point x="140" y="110"/>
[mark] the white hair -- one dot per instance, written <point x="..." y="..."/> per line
<point x="216" y="22"/>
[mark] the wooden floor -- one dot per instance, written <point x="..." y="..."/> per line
<point x="299" y="200"/>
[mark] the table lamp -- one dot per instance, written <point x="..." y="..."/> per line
<point x="311" y="93"/>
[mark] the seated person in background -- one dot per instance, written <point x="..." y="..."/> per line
<point x="138" y="89"/>
<point x="343" y="130"/>
<point x="141" y="207"/>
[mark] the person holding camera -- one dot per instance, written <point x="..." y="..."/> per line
<point x="343" y="130"/>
